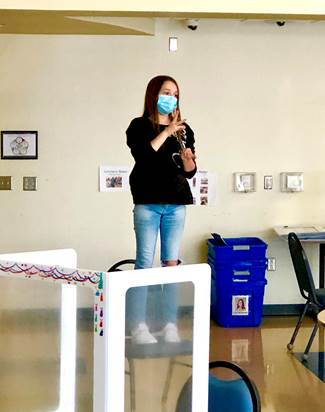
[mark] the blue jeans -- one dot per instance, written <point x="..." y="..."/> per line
<point x="149" y="220"/>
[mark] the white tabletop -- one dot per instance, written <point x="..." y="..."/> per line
<point x="306" y="233"/>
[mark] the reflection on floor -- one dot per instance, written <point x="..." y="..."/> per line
<point x="158" y="371"/>
<point x="30" y="352"/>
<point x="285" y="384"/>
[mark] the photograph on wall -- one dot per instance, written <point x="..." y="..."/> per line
<point x="203" y="188"/>
<point x="114" y="178"/>
<point x="19" y="145"/>
<point x="240" y="305"/>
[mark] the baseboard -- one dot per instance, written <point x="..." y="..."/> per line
<point x="185" y="311"/>
<point x="268" y="310"/>
<point x="39" y="318"/>
<point x="283" y="309"/>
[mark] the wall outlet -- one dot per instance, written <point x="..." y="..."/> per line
<point x="5" y="182"/>
<point x="271" y="263"/>
<point x="29" y="183"/>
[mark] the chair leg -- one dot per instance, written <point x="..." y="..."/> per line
<point x="321" y="338"/>
<point x="295" y="332"/>
<point x="311" y="339"/>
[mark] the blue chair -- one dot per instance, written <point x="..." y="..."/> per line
<point x="235" y="395"/>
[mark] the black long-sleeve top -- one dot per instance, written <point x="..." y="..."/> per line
<point x="158" y="176"/>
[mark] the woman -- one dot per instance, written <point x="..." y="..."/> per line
<point x="163" y="149"/>
<point x="240" y="307"/>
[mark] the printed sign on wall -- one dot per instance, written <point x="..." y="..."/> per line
<point x="203" y="187"/>
<point x="114" y="178"/>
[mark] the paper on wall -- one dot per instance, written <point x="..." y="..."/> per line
<point x="203" y="187"/>
<point x="114" y="178"/>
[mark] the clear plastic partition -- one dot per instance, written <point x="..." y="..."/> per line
<point x="68" y="344"/>
<point x="158" y="338"/>
<point x="46" y="341"/>
<point x="158" y="345"/>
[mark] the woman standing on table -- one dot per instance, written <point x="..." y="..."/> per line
<point x="163" y="149"/>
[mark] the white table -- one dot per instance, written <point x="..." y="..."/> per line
<point x="308" y="234"/>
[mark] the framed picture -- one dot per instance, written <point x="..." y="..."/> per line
<point x="19" y="144"/>
<point x="292" y="181"/>
<point x="244" y="182"/>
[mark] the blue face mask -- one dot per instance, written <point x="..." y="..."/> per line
<point x="166" y="104"/>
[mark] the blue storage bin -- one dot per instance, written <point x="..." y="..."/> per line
<point x="237" y="249"/>
<point x="213" y="301"/>
<point x="238" y="305"/>
<point x="238" y="271"/>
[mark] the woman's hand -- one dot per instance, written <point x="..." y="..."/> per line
<point x="188" y="157"/>
<point x="175" y="125"/>
<point x="187" y="154"/>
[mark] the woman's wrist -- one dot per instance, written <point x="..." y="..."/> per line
<point x="188" y="165"/>
<point x="159" y="140"/>
<point x="165" y="133"/>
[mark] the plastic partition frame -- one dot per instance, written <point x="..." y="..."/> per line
<point x="109" y="342"/>
<point x="115" y="288"/>
<point x="68" y="338"/>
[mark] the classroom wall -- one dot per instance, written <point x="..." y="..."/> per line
<point x="253" y="93"/>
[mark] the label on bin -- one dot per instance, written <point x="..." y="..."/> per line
<point x="240" y="305"/>
<point x="240" y="280"/>
<point x="241" y="247"/>
<point x="241" y="272"/>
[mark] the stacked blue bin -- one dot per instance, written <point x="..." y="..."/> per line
<point x="238" y="267"/>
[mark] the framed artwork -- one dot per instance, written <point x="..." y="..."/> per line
<point x="292" y="181"/>
<point x="19" y="145"/>
<point x="244" y="182"/>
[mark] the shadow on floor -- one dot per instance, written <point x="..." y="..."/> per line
<point x="315" y="363"/>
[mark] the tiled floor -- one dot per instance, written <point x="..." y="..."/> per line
<point x="285" y="384"/>
<point x="30" y="364"/>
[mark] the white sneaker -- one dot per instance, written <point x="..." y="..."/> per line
<point x="170" y="333"/>
<point x="141" y="335"/>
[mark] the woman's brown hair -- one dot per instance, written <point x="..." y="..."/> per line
<point x="150" y="101"/>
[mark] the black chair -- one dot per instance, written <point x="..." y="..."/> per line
<point x="315" y="298"/>
<point x="122" y="265"/>
<point x="231" y="395"/>
<point x="173" y="351"/>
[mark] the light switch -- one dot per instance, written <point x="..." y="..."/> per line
<point x="268" y="182"/>
<point x="5" y="182"/>
<point x="29" y="183"/>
